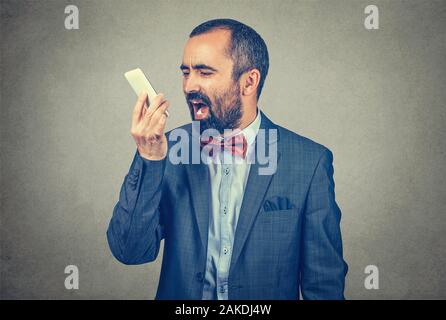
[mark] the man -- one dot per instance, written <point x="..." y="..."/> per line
<point x="230" y="231"/>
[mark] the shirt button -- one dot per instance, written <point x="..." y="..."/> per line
<point x="225" y="250"/>
<point x="222" y="289"/>
<point x="225" y="210"/>
<point x="227" y="171"/>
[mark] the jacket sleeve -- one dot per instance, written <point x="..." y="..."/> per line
<point x="323" y="268"/>
<point x="135" y="230"/>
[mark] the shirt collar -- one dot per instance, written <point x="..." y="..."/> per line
<point x="250" y="132"/>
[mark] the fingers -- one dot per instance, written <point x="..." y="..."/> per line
<point x="149" y="118"/>
<point x="153" y="105"/>
<point x="159" y="117"/>
<point x="152" y="116"/>
<point x="160" y="125"/>
<point x="144" y="109"/>
<point x="137" y="110"/>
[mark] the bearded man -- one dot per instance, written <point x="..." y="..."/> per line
<point x="230" y="230"/>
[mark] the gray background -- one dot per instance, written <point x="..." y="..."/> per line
<point x="375" y="98"/>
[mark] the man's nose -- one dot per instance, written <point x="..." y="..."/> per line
<point x="191" y="84"/>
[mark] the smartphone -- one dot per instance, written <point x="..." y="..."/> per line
<point x="139" y="82"/>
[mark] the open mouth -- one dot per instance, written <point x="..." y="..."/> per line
<point x="201" y="109"/>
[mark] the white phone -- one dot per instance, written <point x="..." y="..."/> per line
<point x="139" y="82"/>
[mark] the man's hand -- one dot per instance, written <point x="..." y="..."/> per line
<point x="148" y="124"/>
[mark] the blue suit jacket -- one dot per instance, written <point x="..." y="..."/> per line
<point x="288" y="233"/>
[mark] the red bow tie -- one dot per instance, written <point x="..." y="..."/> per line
<point x="237" y="144"/>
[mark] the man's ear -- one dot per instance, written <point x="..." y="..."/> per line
<point x="249" y="82"/>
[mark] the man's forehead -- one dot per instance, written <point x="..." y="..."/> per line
<point x="206" y="48"/>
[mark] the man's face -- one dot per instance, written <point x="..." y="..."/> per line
<point x="213" y="97"/>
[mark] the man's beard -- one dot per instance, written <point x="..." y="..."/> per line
<point x="225" y="113"/>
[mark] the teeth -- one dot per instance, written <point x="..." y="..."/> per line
<point x="197" y="103"/>
<point x="199" y="112"/>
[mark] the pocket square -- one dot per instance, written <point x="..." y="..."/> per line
<point x="277" y="203"/>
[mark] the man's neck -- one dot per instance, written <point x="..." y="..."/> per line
<point x="248" y="118"/>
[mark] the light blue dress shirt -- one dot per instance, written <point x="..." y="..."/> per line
<point x="228" y="181"/>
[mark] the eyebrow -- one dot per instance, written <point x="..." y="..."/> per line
<point x="200" y="66"/>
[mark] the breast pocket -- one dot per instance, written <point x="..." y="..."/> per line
<point x="279" y="223"/>
<point x="276" y="235"/>
<point x="279" y="215"/>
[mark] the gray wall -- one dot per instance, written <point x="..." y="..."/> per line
<point x="375" y="98"/>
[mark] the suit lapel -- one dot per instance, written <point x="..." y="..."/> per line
<point x="200" y="188"/>
<point x="256" y="187"/>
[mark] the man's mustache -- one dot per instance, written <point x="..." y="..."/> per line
<point x="198" y="96"/>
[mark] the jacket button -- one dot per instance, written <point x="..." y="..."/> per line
<point x="199" y="276"/>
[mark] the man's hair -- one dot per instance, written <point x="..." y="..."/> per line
<point x="247" y="48"/>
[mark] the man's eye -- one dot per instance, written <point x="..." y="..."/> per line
<point x="204" y="73"/>
<point x="185" y="74"/>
